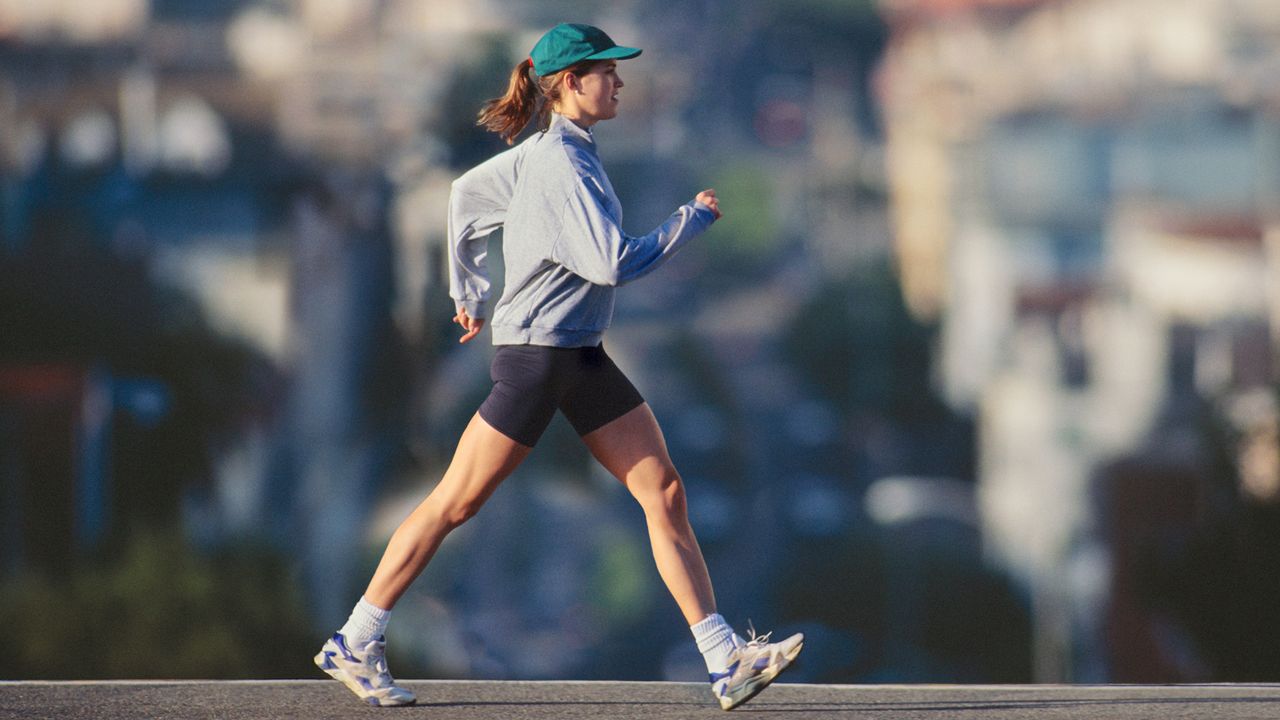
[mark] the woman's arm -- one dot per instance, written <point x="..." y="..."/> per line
<point x="592" y="244"/>
<point x="477" y="206"/>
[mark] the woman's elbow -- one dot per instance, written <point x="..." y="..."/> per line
<point x="602" y="271"/>
<point x="610" y="277"/>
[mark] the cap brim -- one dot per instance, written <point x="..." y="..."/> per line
<point x="617" y="52"/>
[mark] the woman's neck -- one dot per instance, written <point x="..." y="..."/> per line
<point x="575" y="116"/>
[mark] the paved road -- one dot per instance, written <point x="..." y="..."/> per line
<point x="597" y="701"/>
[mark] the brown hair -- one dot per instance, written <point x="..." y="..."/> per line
<point x="527" y="98"/>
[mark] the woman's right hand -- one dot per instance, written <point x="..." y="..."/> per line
<point x="708" y="197"/>
<point x="473" y="326"/>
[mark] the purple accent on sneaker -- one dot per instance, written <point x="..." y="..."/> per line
<point x="341" y="642"/>
<point x="717" y="677"/>
<point x="328" y="661"/>
<point x="374" y="701"/>
<point x="364" y="683"/>
<point x="762" y="663"/>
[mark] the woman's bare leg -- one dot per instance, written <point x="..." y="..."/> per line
<point x="633" y="449"/>
<point x="484" y="458"/>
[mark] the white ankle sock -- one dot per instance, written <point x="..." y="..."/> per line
<point x="367" y="623"/>
<point x="715" y="641"/>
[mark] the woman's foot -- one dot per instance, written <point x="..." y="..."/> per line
<point x="364" y="671"/>
<point x="752" y="666"/>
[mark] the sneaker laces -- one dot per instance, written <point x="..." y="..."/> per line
<point x="757" y="640"/>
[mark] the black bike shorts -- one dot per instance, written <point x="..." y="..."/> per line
<point x="531" y="381"/>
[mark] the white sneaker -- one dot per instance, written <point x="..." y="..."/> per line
<point x="752" y="666"/>
<point x="363" y="671"/>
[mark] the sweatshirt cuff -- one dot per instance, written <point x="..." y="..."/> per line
<point x="474" y="308"/>
<point x="699" y="205"/>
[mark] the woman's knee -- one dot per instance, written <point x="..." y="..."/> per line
<point x="660" y="490"/>
<point x="454" y="512"/>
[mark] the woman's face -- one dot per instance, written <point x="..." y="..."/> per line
<point x="596" y="95"/>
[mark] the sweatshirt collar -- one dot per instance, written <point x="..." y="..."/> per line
<point x="565" y="126"/>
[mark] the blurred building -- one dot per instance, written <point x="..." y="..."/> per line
<point x="1083" y="194"/>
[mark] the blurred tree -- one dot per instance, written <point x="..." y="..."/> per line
<point x="860" y="348"/>
<point x="743" y="246"/>
<point x="140" y="603"/>
<point x="159" y="610"/>
<point x="968" y="622"/>
<point x="775" y="54"/>
<point x="73" y="302"/>
<point x="473" y="84"/>
<point x="1219" y="575"/>
<point x="858" y="345"/>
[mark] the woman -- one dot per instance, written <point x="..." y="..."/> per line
<point x="564" y="252"/>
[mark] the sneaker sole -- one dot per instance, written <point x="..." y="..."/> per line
<point x="352" y="684"/>
<point x="765" y="679"/>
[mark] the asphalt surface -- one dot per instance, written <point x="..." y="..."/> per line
<point x="318" y="699"/>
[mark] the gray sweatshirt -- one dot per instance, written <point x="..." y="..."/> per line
<point x="563" y="244"/>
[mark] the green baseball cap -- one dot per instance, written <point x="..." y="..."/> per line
<point x="568" y="43"/>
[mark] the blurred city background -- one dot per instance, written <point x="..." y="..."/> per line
<point x="975" y="382"/>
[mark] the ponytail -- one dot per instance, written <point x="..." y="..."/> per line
<point x="525" y="99"/>
<point x="509" y="114"/>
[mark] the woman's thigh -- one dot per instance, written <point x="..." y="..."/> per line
<point x="483" y="459"/>
<point x="632" y="448"/>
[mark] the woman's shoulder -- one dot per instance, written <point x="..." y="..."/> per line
<point x="501" y="169"/>
<point x="566" y="156"/>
